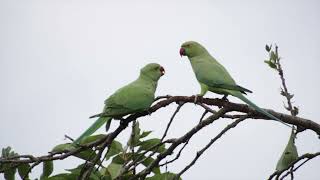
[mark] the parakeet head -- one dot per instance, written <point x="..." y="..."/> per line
<point x="191" y="49"/>
<point x="153" y="71"/>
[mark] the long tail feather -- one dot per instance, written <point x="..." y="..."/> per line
<point x="93" y="128"/>
<point x="257" y="108"/>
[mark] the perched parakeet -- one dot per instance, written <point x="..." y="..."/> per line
<point x="134" y="97"/>
<point x="213" y="77"/>
<point x="289" y="154"/>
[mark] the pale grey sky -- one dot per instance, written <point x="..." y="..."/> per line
<point x="60" y="59"/>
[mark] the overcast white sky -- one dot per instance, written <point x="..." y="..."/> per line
<point x="60" y="59"/>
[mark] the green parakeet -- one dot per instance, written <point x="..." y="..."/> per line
<point x="213" y="77"/>
<point x="289" y="154"/>
<point x="134" y="97"/>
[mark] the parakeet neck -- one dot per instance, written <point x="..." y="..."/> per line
<point x="148" y="81"/>
<point x="200" y="58"/>
<point x="203" y="58"/>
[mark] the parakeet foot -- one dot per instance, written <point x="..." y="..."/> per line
<point x="225" y="98"/>
<point x="123" y="123"/>
<point x="196" y="98"/>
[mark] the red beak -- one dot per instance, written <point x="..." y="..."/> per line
<point x="182" y="52"/>
<point x="162" y="71"/>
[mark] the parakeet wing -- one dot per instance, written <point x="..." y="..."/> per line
<point x="131" y="98"/>
<point x="215" y="75"/>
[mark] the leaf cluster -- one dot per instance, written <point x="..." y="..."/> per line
<point x="117" y="156"/>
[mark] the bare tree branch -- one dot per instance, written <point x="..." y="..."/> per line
<point x="204" y="102"/>
<point x="179" y="141"/>
<point x="138" y="160"/>
<point x="306" y="123"/>
<point x="177" y="156"/>
<point x="199" y="153"/>
<point x="284" y="89"/>
<point x="185" y="144"/>
<point x="171" y="119"/>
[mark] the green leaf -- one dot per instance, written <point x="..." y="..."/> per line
<point x="115" y="148"/>
<point x="273" y="56"/>
<point x="63" y="147"/>
<point x="268" y="48"/>
<point x="77" y="169"/>
<point x="164" y="176"/>
<point x="95" y="175"/>
<point x="146" y="145"/>
<point x="8" y="152"/>
<point x="64" y="176"/>
<point x="148" y="161"/>
<point x="105" y="178"/>
<point x="87" y="154"/>
<point x="10" y="174"/>
<point x="114" y="169"/>
<point x="93" y="138"/>
<point x="126" y="157"/>
<point x="145" y="134"/>
<point x="289" y="154"/>
<point x="23" y="170"/>
<point x="120" y="158"/>
<point x="47" y="169"/>
<point x="5" y="152"/>
<point x="271" y="64"/>
<point x="105" y="173"/>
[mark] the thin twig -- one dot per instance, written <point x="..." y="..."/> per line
<point x="284" y="89"/>
<point x="208" y="109"/>
<point x="132" y="146"/>
<point x="184" y="145"/>
<point x="199" y="153"/>
<point x="63" y="154"/>
<point x="135" y="162"/>
<point x="171" y="119"/>
<point x="296" y="168"/>
<point x="179" y="141"/>
<point x="177" y="156"/>
<point x="203" y="115"/>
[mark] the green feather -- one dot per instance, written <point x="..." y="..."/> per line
<point x="93" y="128"/>
<point x="232" y="87"/>
<point x="214" y="77"/>
<point x="289" y="154"/>
<point x="134" y="97"/>
<point x="257" y="108"/>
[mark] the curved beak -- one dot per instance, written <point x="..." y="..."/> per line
<point x="182" y="52"/>
<point x="162" y="71"/>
